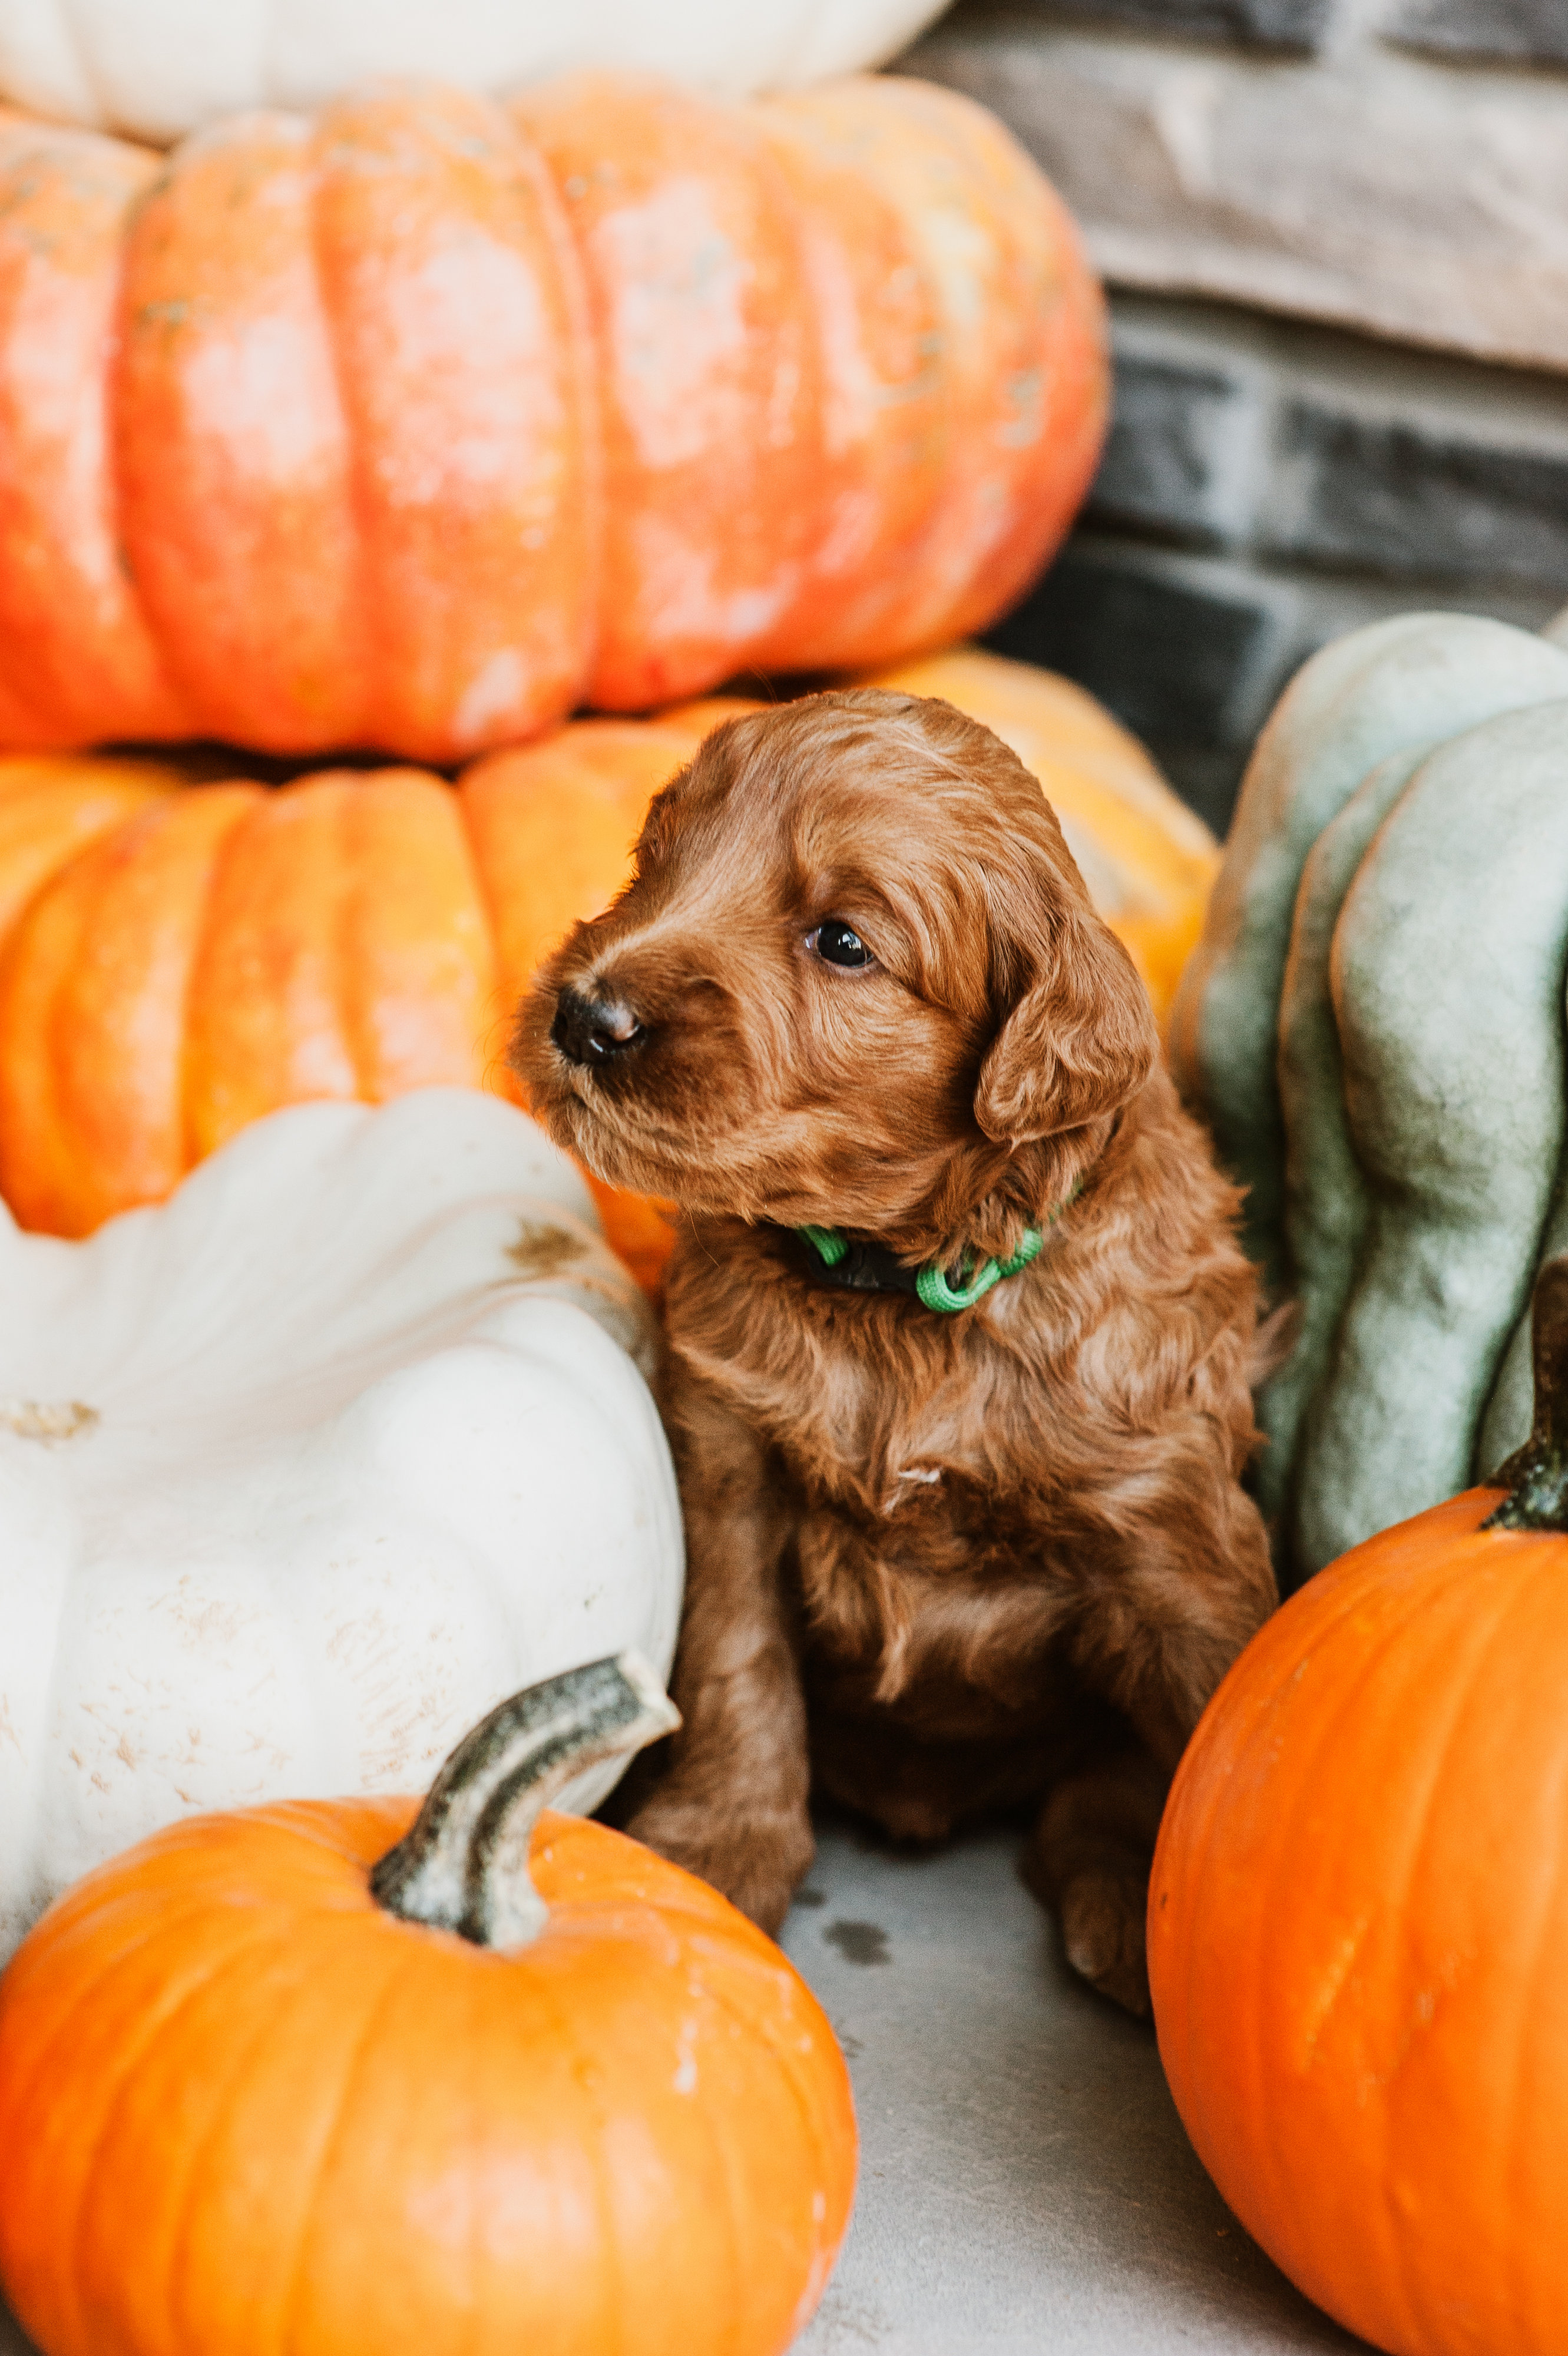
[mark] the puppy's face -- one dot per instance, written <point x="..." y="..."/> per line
<point x="800" y="1010"/>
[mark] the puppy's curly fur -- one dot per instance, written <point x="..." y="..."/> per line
<point x="943" y="1563"/>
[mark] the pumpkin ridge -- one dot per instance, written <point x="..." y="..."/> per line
<point x="723" y="2162"/>
<point x="1546" y="1957"/>
<point x="1268" y="1641"/>
<point x="589" y="2106"/>
<point x="1395" y="1642"/>
<point x="1459" y="1696"/>
<point x="1327" y="1731"/>
<point x="1519" y="1600"/>
<point x="41" y="2057"/>
<point x="127" y="2056"/>
<point x="349" y="947"/>
<point x="167" y="688"/>
<point x="76" y="1908"/>
<point x="362" y="604"/>
<point x="195" y="986"/>
<point x="786" y="2056"/>
<point x="176" y="2252"/>
<point x="495" y="1036"/>
<point x="399" y="1969"/>
<point x="723" y="2172"/>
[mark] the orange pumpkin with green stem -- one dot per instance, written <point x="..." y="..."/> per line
<point x="313" y="2075"/>
<point x="1359" y="1906"/>
<point x="173" y="963"/>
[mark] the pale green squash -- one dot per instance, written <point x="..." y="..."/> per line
<point x="1373" y="1026"/>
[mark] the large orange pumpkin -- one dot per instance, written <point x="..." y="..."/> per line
<point x="174" y="963"/>
<point x="1359" y="1909"/>
<point x="269" y="2081"/>
<point x="420" y="422"/>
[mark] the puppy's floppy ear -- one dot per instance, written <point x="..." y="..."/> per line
<point x="1079" y="1041"/>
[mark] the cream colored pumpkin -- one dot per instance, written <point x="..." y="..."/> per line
<point x="304" y="1470"/>
<point x="160" y="68"/>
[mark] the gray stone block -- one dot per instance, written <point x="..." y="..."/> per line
<point x="1533" y="30"/>
<point x="1406" y="496"/>
<point x="1176" y="457"/>
<point x="1296" y="24"/>
<point x="1373" y="188"/>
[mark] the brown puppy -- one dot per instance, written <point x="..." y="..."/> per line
<point x="988" y="1555"/>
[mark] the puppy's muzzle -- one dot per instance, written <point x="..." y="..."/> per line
<point x="591" y="1030"/>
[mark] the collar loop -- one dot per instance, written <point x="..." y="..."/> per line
<point x="930" y="1284"/>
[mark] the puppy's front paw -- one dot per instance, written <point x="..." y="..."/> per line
<point x="757" y="1861"/>
<point x="1103" y="1918"/>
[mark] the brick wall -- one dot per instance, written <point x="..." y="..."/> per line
<point x="1374" y="413"/>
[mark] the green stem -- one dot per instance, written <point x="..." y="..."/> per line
<point x="1536" y="1475"/>
<point x="462" y="1864"/>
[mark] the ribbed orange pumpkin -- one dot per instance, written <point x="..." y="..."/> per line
<point x="174" y="963"/>
<point x="416" y="424"/>
<point x="258" y="2092"/>
<point x="1359" y="1908"/>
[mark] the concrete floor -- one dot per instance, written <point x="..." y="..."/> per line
<point x="1026" y="2184"/>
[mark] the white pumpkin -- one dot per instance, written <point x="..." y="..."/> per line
<point x="304" y="1469"/>
<point x="158" y="68"/>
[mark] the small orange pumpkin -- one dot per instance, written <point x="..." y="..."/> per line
<point x="516" y="2085"/>
<point x="1358" y="1910"/>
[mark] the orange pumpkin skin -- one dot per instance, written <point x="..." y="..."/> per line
<point x="1359" y="1903"/>
<point x="355" y="464"/>
<point x="74" y="641"/>
<point x="240" y="2109"/>
<point x="177" y="963"/>
<point x="940" y="389"/>
<point x="417" y="423"/>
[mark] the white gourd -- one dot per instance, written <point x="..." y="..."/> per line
<point x="306" y="1468"/>
<point x="1373" y="1027"/>
<point x="157" y="69"/>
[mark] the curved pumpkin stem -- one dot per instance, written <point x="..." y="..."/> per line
<point x="1536" y="1475"/>
<point x="462" y="1864"/>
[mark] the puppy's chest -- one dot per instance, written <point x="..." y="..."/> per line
<point x="896" y="1440"/>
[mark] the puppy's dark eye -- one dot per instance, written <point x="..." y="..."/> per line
<point x="839" y="943"/>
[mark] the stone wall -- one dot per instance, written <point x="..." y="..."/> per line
<point x="1335" y="233"/>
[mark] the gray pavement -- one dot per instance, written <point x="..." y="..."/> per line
<point x="1026" y="2184"/>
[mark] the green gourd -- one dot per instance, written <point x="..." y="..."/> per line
<point x="1373" y="1027"/>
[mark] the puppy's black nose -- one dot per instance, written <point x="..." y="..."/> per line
<point x="591" y="1030"/>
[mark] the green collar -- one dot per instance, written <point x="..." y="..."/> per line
<point x="871" y="1268"/>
